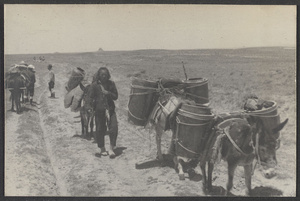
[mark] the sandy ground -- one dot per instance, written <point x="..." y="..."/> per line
<point x="43" y="158"/>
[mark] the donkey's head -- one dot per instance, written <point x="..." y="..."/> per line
<point x="87" y="102"/>
<point x="267" y="139"/>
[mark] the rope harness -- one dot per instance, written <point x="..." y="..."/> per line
<point x="154" y="90"/>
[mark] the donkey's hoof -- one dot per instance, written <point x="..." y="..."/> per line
<point x="159" y="158"/>
<point x="181" y="177"/>
<point x="247" y="192"/>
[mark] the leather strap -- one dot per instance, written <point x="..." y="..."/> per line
<point x="225" y="130"/>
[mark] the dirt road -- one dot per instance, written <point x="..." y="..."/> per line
<point x="43" y="158"/>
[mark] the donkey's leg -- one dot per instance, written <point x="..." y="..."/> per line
<point x="248" y="172"/>
<point x="209" y="174"/>
<point x="159" y="133"/>
<point x="25" y="95"/>
<point x="231" y="168"/>
<point x="18" y="102"/>
<point x="82" y="124"/>
<point x="88" y="127"/>
<point x="12" y="100"/>
<point x="88" y="131"/>
<point x="91" y="127"/>
<point x="178" y="165"/>
<point x="22" y="96"/>
<point x="172" y="150"/>
<point x="204" y="182"/>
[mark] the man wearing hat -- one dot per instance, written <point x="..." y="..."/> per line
<point x="30" y="86"/>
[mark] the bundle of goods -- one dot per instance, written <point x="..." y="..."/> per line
<point x="254" y="103"/>
<point x="75" y="90"/>
<point x="143" y="96"/>
<point x="164" y="107"/>
<point x="77" y="76"/>
<point x="73" y="99"/>
<point x="193" y="127"/>
<point x="10" y="80"/>
<point x="22" y="67"/>
<point x="12" y="74"/>
<point x="264" y="110"/>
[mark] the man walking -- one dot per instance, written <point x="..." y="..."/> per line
<point x="104" y="92"/>
<point x="30" y="86"/>
<point x="51" y="81"/>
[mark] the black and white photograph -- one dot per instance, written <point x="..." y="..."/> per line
<point x="150" y="100"/>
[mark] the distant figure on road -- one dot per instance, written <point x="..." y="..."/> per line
<point x="51" y="81"/>
<point x="30" y="86"/>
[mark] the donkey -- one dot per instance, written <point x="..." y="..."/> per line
<point x="160" y="118"/>
<point x="30" y="80"/>
<point x="15" y="82"/>
<point x="239" y="143"/>
<point x="87" y="115"/>
<point x="237" y="139"/>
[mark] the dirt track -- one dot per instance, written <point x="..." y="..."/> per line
<point x="42" y="158"/>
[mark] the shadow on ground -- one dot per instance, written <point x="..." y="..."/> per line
<point x="119" y="151"/>
<point x="256" y="192"/>
<point x="219" y="191"/>
<point x="168" y="162"/>
<point x="263" y="191"/>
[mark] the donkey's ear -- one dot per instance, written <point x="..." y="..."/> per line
<point x="280" y="126"/>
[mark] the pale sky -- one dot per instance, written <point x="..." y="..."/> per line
<point x="86" y="28"/>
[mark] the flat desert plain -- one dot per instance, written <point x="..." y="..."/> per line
<point x="43" y="158"/>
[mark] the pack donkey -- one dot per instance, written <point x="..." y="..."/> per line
<point x="166" y="106"/>
<point x="87" y="114"/>
<point x="16" y="83"/>
<point x="239" y="141"/>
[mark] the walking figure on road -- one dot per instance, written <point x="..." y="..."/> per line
<point x="51" y="81"/>
<point x="30" y="86"/>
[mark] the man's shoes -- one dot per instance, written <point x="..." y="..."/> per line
<point x="105" y="153"/>
<point x="112" y="155"/>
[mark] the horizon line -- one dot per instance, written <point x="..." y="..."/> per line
<point x="289" y="47"/>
